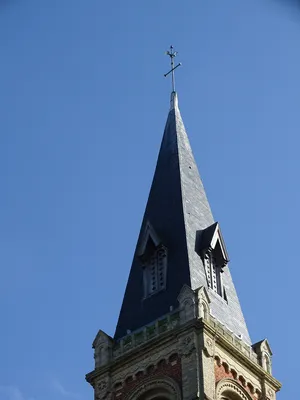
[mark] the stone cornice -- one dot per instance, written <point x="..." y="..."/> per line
<point x="242" y="352"/>
<point x="134" y="354"/>
<point x="253" y="366"/>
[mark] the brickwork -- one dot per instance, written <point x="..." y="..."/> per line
<point x="221" y="372"/>
<point x="170" y="368"/>
<point x="191" y="358"/>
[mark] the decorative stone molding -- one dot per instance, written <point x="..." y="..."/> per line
<point x="149" y="332"/>
<point x="185" y="293"/>
<point x="227" y="386"/>
<point x="221" y="330"/>
<point x="235" y="374"/>
<point x="203" y="302"/>
<point x="209" y="347"/>
<point x="102" y="385"/>
<point x="103" y="349"/>
<point x="170" y="368"/>
<point x="101" y="389"/>
<point x="142" y="365"/>
<point x="189" y="307"/>
<point x="187" y="304"/>
<point x="264" y="354"/>
<point x="165" y="386"/>
<point x="186" y="346"/>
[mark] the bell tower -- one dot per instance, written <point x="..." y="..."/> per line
<point x="181" y="333"/>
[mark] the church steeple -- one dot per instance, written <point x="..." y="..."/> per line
<point x="178" y="215"/>
<point x="181" y="333"/>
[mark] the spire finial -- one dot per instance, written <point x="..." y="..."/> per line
<point x="172" y="54"/>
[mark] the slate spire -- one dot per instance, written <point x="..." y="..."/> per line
<point x="178" y="222"/>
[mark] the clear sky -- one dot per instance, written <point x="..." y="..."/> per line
<point x="83" y="106"/>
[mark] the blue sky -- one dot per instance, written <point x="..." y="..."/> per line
<point x="83" y="106"/>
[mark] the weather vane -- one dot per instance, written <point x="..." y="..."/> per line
<point x="172" y="54"/>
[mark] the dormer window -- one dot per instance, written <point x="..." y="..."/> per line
<point x="213" y="273"/>
<point x="211" y="248"/>
<point x="153" y="256"/>
<point x="155" y="267"/>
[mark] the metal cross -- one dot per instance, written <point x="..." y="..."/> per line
<point x="172" y="54"/>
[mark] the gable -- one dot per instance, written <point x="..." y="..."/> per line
<point x="211" y="239"/>
<point x="148" y="234"/>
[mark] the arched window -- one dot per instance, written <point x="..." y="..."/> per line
<point x="230" y="396"/>
<point x="228" y="389"/>
<point x="156" y="394"/>
<point x="157" y="389"/>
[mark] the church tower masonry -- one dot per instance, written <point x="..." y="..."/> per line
<point x="181" y="333"/>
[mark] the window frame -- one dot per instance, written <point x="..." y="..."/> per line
<point x="213" y="274"/>
<point x="155" y="271"/>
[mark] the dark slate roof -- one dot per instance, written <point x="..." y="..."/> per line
<point x="177" y="208"/>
